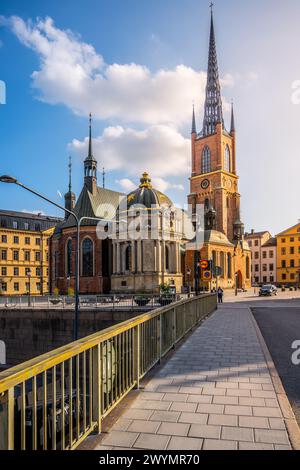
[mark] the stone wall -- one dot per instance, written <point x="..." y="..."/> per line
<point x="29" y="333"/>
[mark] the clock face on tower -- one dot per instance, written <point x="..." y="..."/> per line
<point x="205" y="184"/>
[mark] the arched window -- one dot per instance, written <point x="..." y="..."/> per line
<point x="229" y="268"/>
<point x="206" y="204"/>
<point x="247" y="268"/>
<point x="167" y="256"/>
<point x="87" y="258"/>
<point x="227" y="162"/>
<point x="128" y="258"/>
<point x="206" y="161"/>
<point x="69" y="258"/>
<point x="222" y="264"/>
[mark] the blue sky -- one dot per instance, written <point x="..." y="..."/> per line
<point x="142" y="111"/>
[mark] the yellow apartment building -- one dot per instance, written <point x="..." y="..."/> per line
<point x="288" y="256"/>
<point x="24" y="253"/>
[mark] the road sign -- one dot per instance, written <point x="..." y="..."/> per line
<point x="218" y="271"/>
<point x="204" y="264"/>
<point x="207" y="276"/>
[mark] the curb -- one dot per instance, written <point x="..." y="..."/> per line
<point x="291" y="423"/>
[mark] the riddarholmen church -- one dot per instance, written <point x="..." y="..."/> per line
<point x="214" y="184"/>
<point x="126" y="264"/>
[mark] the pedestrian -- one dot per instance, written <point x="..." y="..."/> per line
<point x="220" y="295"/>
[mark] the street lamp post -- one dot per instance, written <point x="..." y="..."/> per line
<point x="11" y="180"/>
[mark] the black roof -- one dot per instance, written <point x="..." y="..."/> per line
<point x="27" y="221"/>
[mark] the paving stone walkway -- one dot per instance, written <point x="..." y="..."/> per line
<point x="215" y="392"/>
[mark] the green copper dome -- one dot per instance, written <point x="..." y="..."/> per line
<point x="147" y="196"/>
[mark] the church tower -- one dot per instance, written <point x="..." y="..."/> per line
<point x="214" y="180"/>
<point x="90" y="166"/>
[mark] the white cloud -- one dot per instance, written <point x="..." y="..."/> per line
<point x="126" y="184"/>
<point x="160" y="150"/>
<point x="72" y="73"/>
<point x="160" y="184"/>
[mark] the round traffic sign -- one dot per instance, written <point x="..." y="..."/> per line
<point x="204" y="264"/>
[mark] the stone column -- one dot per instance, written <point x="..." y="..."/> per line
<point x="158" y="256"/>
<point x="139" y="256"/>
<point x="118" y="258"/>
<point x="133" y="267"/>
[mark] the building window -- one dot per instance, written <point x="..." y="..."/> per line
<point x="292" y="277"/>
<point x="15" y="224"/>
<point x="256" y="255"/>
<point x="271" y="278"/>
<point x="265" y="268"/>
<point x="16" y="240"/>
<point x="206" y="161"/>
<point x="27" y="272"/>
<point x="256" y="243"/>
<point x="15" y="255"/>
<point x="4" y="271"/>
<point x="27" y="240"/>
<point x="247" y="268"/>
<point x="227" y="159"/>
<point x="271" y="254"/>
<point x="264" y="255"/>
<point x="271" y="267"/>
<point x="38" y="272"/>
<point x="283" y="264"/>
<point x="38" y="256"/>
<point x="292" y="263"/>
<point x="26" y="226"/>
<point x="37" y="227"/>
<point x="69" y="258"/>
<point x="4" y="238"/>
<point x="265" y="279"/>
<point x="27" y="255"/>
<point x="16" y="271"/>
<point x="4" y="255"/>
<point x="292" y="240"/>
<point x="128" y="258"/>
<point x="16" y="287"/>
<point x="167" y="258"/>
<point x="257" y="268"/>
<point x="283" y="240"/>
<point x="229" y="268"/>
<point x="38" y="241"/>
<point x="4" y="287"/>
<point x="283" y="251"/>
<point x="292" y="250"/>
<point x="38" y="286"/>
<point x="87" y="258"/>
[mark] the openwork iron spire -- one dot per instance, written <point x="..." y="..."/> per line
<point x="213" y="103"/>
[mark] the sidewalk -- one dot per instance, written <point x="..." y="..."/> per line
<point x="215" y="392"/>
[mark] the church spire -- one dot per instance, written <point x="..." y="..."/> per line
<point x="90" y="165"/>
<point x="70" y="174"/>
<point x="194" y="129"/>
<point x="232" y="125"/>
<point x="90" y="154"/>
<point x="213" y="113"/>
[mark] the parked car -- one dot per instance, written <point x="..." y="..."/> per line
<point x="268" y="290"/>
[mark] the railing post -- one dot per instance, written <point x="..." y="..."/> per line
<point x="174" y="328"/>
<point x="7" y="420"/>
<point x="159" y="338"/>
<point x="97" y="387"/>
<point x="137" y="355"/>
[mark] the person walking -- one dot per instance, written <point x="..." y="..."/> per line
<point x="220" y="295"/>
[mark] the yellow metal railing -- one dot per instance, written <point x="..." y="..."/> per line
<point x="56" y="400"/>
